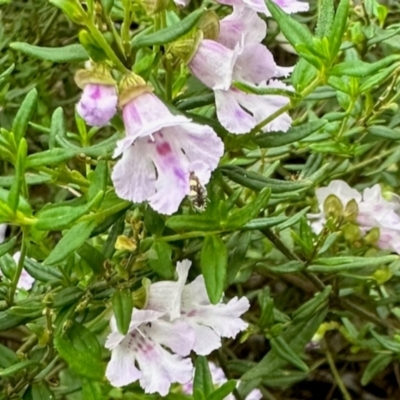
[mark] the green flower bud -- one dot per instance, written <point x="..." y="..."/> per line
<point x="351" y="232"/>
<point x="333" y="207"/>
<point x="351" y="211"/>
<point x="72" y="9"/>
<point x="372" y="236"/>
<point x="186" y="47"/>
<point x="209" y="25"/>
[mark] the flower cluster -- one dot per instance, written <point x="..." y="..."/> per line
<point x="177" y="319"/>
<point x="373" y="211"/>
<point x="237" y="54"/>
<point x="160" y="150"/>
<point x="219" y="378"/>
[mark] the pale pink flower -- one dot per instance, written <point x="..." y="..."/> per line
<point x="141" y="353"/>
<point x="98" y="104"/>
<point x="210" y="322"/>
<point x="25" y="281"/>
<point x="159" y="153"/>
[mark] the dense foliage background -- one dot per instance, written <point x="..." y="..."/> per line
<point x="324" y="317"/>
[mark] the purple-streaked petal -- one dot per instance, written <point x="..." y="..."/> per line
<point x="177" y="335"/>
<point x="230" y="115"/>
<point x="165" y="296"/>
<point x="134" y="175"/>
<point x="389" y="239"/>
<point x="254" y="64"/>
<point x="172" y="183"/>
<point x="242" y="26"/>
<point x="146" y="114"/>
<point x="121" y="370"/>
<point x="160" y="368"/>
<point x="213" y="64"/>
<point x="98" y="104"/>
<point x="202" y="147"/>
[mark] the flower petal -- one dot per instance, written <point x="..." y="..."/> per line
<point x="213" y="64"/>
<point x="160" y="369"/>
<point x="146" y="114"/>
<point x="165" y="296"/>
<point x="231" y="116"/>
<point x="206" y="339"/>
<point x="242" y="26"/>
<point x="3" y="229"/>
<point x="121" y="370"/>
<point x="98" y="104"/>
<point x="172" y="183"/>
<point x="340" y="189"/>
<point x="134" y="175"/>
<point x="254" y="64"/>
<point x="178" y="335"/>
<point x="292" y="6"/>
<point x="202" y="147"/>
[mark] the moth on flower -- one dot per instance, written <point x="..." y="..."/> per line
<point x="198" y="193"/>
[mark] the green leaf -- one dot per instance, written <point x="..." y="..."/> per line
<point x="67" y="296"/>
<point x="312" y="306"/>
<point x="24" y="115"/>
<point x="223" y="391"/>
<point x="109" y="246"/>
<point x="338" y="27"/>
<point x="39" y="391"/>
<point x="70" y="242"/>
<point x="81" y="350"/>
<point x="213" y="261"/>
<point x="237" y="256"/>
<point x="159" y="257"/>
<point x="93" y="257"/>
<point x="50" y="157"/>
<point x="304" y="73"/>
<point x="295" y="32"/>
<point x="16" y="368"/>
<point x="7" y="72"/>
<point x="7" y="357"/>
<point x="18" y="184"/>
<point x="193" y="223"/>
<point x="203" y="385"/>
<point x="297" y="336"/>
<point x="98" y="179"/>
<point x="375" y="366"/>
<point x="341" y="264"/>
<point x="358" y="68"/>
<point x="57" y="126"/>
<point x="170" y="33"/>
<point x="122" y="307"/>
<point x="153" y="221"/>
<point x="262" y="223"/>
<point x="70" y="53"/>
<point x="256" y="181"/>
<point x="294" y="134"/>
<point x="241" y="216"/>
<point x="91" y="390"/>
<point x="59" y="218"/>
<point x="41" y="272"/>
<point x="384" y="132"/>
<point x="326" y="13"/>
<point x="286" y="353"/>
<point x="244" y="87"/>
<point x="7" y="246"/>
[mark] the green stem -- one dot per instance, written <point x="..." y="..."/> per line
<point x="336" y="375"/>
<point x="102" y="42"/>
<point x="20" y="266"/>
<point x="188" y="235"/>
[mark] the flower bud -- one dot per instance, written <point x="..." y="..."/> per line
<point x="99" y="100"/>
<point x="125" y="243"/>
<point x="372" y="236"/>
<point x="186" y="47"/>
<point x="333" y="207"/>
<point x="351" y="232"/>
<point x="130" y="87"/>
<point x="351" y="211"/>
<point x="209" y="25"/>
<point x="154" y="6"/>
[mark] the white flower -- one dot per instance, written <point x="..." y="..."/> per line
<point x="157" y="367"/>
<point x="209" y="322"/>
<point x="25" y="280"/>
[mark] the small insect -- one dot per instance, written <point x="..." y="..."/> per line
<point x="198" y="193"/>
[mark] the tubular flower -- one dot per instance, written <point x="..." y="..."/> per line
<point x="209" y="322"/>
<point x="237" y="111"/>
<point x="25" y="281"/>
<point x="159" y="153"/>
<point x="157" y="367"/>
<point x="374" y="211"/>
